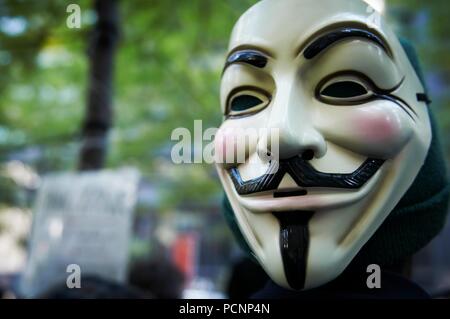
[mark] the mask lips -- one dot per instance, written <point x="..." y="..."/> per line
<point x="294" y="245"/>
<point x="305" y="175"/>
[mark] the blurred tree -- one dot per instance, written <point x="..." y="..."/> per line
<point x="42" y="76"/>
<point x="99" y="110"/>
<point x="168" y="69"/>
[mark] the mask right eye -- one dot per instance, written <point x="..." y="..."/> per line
<point x="246" y="102"/>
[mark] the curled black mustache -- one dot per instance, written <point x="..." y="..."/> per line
<point x="305" y="176"/>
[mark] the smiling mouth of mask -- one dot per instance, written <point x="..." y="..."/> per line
<point x="304" y="175"/>
<point x="294" y="231"/>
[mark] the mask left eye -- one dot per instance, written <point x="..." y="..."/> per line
<point x="344" y="90"/>
<point x="245" y="103"/>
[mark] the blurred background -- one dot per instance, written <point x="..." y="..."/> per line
<point x="107" y="95"/>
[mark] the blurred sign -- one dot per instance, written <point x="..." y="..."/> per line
<point x="83" y="219"/>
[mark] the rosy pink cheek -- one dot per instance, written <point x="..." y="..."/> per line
<point x="377" y="128"/>
<point x="219" y="145"/>
<point x="225" y="145"/>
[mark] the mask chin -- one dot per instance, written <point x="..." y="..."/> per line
<point x="294" y="245"/>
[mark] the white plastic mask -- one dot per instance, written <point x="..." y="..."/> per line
<point x="353" y="133"/>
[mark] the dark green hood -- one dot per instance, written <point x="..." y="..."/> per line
<point x="418" y="217"/>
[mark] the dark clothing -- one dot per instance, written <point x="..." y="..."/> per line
<point x="247" y="277"/>
<point x="350" y="286"/>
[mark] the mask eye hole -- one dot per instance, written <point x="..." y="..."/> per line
<point x="344" y="90"/>
<point x="246" y="102"/>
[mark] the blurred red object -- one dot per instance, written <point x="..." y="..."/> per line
<point x="184" y="254"/>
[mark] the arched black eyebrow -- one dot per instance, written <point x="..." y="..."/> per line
<point x="252" y="57"/>
<point x="326" y="40"/>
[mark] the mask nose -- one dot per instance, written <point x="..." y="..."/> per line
<point x="291" y="132"/>
<point x="281" y="144"/>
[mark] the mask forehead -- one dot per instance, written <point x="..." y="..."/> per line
<point x="269" y="23"/>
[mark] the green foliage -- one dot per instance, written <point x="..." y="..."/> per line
<point x="42" y="73"/>
<point x="167" y="74"/>
<point x="426" y="24"/>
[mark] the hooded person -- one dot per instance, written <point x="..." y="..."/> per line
<point x="328" y="152"/>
